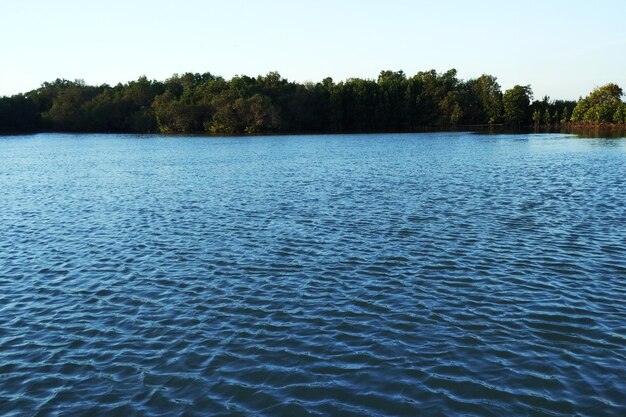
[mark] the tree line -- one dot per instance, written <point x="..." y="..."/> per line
<point x="206" y="103"/>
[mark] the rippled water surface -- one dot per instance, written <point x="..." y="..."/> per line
<point x="400" y="275"/>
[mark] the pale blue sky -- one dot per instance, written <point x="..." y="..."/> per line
<point x="562" y="48"/>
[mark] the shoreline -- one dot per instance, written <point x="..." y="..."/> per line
<point x="610" y="130"/>
<point x="495" y="129"/>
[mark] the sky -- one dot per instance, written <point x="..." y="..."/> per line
<point x="562" y="48"/>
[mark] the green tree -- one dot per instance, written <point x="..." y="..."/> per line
<point x="429" y="99"/>
<point x="600" y="105"/>
<point x="516" y="103"/>
<point x="566" y="116"/>
<point x="358" y="106"/>
<point x="487" y="92"/>
<point x="620" y="114"/>
<point x="19" y="113"/>
<point x="67" y="112"/>
<point x="234" y="114"/>
<point x="179" y="115"/>
<point x="194" y="102"/>
<point x="546" y="116"/>
<point x="392" y="112"/>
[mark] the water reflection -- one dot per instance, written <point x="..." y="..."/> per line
<point x="592" y="132"/>
<point x="597" y="132"/>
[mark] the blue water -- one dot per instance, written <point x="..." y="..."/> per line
<point x="399" y="275"/>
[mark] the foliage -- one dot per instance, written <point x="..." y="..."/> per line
<point x="547" y="118"/>
<point x="19" y="113"/>
<point x="516" y="102"/>
<point x="566" y="116"/>
<point x="205" y="103"/>
<point x="488" y="105"/>
<point x="603" y="105"/>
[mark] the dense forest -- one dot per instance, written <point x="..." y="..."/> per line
<point x="205" y="103"/>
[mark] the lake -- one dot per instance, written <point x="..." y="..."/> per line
<point x="352" y="275"/>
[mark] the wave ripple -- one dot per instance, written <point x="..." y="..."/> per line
<point x="431" y="274"/>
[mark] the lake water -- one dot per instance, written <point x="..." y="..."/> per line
<point x="400" y="275"/>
